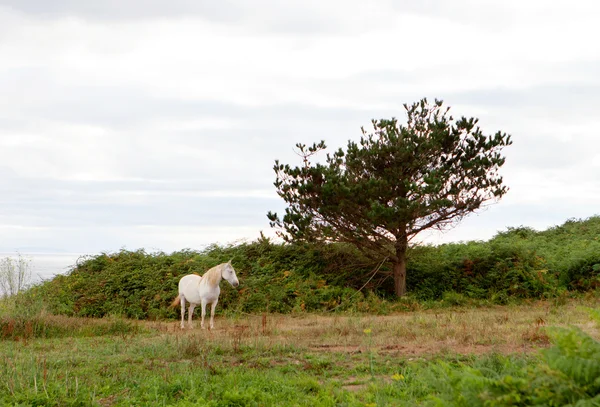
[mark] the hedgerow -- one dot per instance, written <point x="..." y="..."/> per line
<point x="517" y="264"/>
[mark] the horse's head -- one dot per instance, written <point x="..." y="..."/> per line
<point x="228" y="273"/>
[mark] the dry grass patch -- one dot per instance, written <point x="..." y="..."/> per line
<point x="508" y="329"/>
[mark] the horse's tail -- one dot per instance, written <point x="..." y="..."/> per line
<point x="175" y="302"/>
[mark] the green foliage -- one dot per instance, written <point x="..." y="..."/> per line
<point x="275" y="278"/>
<point x="116" y="365"/>
<point x="131" y="284"/>
<point x="568" y="374"/>
<point x="396" y="182"/>
<point x="515" y="265"/>
<point x="400" y="180"/>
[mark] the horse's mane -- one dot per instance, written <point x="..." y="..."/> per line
<point x="213" y="276"/>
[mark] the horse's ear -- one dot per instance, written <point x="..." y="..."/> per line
<point x="229" y="262"/>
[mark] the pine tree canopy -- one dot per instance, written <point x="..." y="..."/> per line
<point x="397" y="181"/>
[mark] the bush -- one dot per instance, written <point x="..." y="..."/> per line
<point x="275" y="278"/>
<point x="517" y="264"/>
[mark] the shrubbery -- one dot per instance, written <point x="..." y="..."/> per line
<point x="276" y="278"/>
<point x="517" y="264"/>
<point x="568" y="374"/>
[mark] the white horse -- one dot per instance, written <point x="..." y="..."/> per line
<point x="204" y="290"/>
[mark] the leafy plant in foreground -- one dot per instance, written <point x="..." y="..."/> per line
<point x="568" y="375"/>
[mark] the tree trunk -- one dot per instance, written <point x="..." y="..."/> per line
<point x="400" y="267"/>
<point x="400" y="278"/>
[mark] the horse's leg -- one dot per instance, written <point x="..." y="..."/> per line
<point x="182" y="300"/>
<point x="190" y="313"/>
<point x="212" y="313"/>
<point x="203" y="313"/>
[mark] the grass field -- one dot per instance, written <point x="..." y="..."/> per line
<point x="302" y="360"/>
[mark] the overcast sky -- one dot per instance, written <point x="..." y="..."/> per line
<point x="154" y="124"/>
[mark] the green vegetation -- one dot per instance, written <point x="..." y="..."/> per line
<point x="303" y="328"/>
<point x="515" y="265"/>
<point x="397" y="182"/>
<point x="451" y="357"/>
<point x="568" y="374"/>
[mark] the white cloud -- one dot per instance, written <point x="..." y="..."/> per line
<point x="156" y="125"/>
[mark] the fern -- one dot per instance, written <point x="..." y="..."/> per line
<point x="577" y="356"/>
<point x="574" y="365"/>
<point x="567" y="375"/>
<point x="594" y="402"/>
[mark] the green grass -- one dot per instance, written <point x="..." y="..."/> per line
<point x="189" y="370"/>
<point x="277" y="360"/>
<point x="149" y="369"/>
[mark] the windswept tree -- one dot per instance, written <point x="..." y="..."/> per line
<point x="398" y="181"/>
